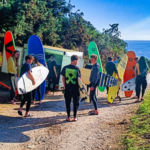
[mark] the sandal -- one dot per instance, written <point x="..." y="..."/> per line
<point x="12" y="101"/>
<point x="75" y="119"/>
<point x="142" y="99"/>
<point x="68" y="119"/>
<point x="134" y="97"/>
<point x="20" y="113"/>
<point x="29" y="115"/>
<point x="33" y="102"/>
<point x="93" y="113"/>
<point x="15" y="99"/>
<point x="137" y="101"/>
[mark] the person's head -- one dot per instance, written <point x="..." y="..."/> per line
<point x="142" y="60"/>
<point x="16" y="54"/>
<point x="109" y="58"/>
<point x="74" y="59"/>
<point x="52" y="58"/>
<point x="143" y="65"/>
<point x="29" y="59"/>
<point x="35" y="60"/>
<point x="136" y="59"/>
<point x="94" y="59"/>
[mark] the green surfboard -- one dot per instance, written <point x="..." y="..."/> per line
<point x="92" y="49"/>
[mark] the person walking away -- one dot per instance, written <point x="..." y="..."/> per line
<point x="28" y="96"/>
<point x="12" y="66"/>
<point x="35" y="64"/>
<point x="136" y="59"/>
<point x="70" y="74"/>
<point x="110" y="68"/>
<point x="94" y="82"/>
<point x="141" y="68"/>
<point x="88" y="66"/>
<point x="52" y="73"/>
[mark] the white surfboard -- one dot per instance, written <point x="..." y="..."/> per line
<point x="148" y="78"/>
<point x="83" y="92"/>
<point x="129" y="85"/>
<point x="24" y="84"/>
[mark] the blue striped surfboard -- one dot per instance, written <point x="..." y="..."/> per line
<point x="107" y="80"/>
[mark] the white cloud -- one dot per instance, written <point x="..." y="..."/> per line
<point x="137" y="31"/>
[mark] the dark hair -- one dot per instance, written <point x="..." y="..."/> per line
<point x="109" y="59"/>
<point x="94" y="56"/>
<point x="74" y="57"/>
<point x="28" y="57"/>
<point x="13" y="56"/>
<point x="35" y="60"/>
<point x="136" y="58"/>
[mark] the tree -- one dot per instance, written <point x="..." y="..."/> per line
<point x="55" y="23"/>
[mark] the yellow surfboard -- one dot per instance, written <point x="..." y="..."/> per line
<point x="85" y="75"/>
<point x="121" y="66"/>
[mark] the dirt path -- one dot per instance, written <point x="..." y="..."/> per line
<point x="47" y="130"/>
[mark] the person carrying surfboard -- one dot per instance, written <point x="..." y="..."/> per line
<point x="136" y="59"/>
<point x="110" y="68"/>
<point x="35" y="64"/>
<point x="94" y="82"/>
<point x="141" y="68"/>
<point x="88" y="66"/>
<point x="28" y="96"/>
<point x="12" y="66"/>
<point x="70" y="74"/>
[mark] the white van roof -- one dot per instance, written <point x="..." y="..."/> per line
<point x="57" y="48"/>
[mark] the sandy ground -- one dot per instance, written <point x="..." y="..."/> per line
<point x="48" y="130"/>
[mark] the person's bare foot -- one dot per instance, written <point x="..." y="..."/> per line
<point x="15" y="99"/>
<point x="49" y="93"/>
<point x="13" y="102"/>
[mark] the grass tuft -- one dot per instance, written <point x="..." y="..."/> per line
<point x="138" y="135"/>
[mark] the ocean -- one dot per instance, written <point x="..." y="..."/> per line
<point x="141" y="48"/>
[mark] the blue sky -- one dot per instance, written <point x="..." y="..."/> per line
<point x="133" y="16"/>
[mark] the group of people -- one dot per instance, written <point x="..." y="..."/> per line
<point x="140" y="70"/>
<point x="70" y="75"/>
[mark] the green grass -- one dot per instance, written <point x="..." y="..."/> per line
<point x="138" y="134"/>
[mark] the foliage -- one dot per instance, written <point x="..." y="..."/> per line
<point x="55" y="23"/>
<point x="138" y="136"/>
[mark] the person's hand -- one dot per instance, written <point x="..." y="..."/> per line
<point x="91" y="88"/>
<point x="119" y="79"/>
<point x="33" y="82"/>
<point x="56" y="75"/>
<point x="18" y="66"/>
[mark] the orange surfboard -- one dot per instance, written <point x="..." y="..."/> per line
<point x="9" y="44"/>
<point x="129" y="72"/>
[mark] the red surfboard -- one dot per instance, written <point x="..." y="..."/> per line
<point x="129" y="72"/>
<point x="9" y="44"/>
